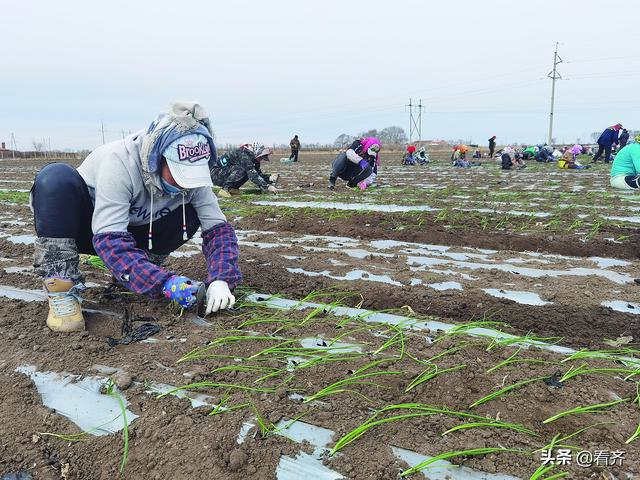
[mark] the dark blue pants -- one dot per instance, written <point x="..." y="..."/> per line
<point x="607" y="153"/>
<point x="544" y="156"/>
<point x="345" y="169"/>
<point x="62" y="208"/>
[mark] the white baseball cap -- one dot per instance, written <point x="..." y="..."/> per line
<point x="188" y="160"/>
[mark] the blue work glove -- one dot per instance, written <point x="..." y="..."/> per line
<point x="181" y="290"/>
<point x="363" y="164"/>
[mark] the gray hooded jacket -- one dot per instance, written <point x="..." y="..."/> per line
<point x="124" y="182"/>
<point x="125" y="185"/>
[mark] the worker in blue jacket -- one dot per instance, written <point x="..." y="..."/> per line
<point x="607" y="139"/>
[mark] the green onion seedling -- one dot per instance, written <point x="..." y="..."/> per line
<point x="595" y="408"/>
<point x="111" y="391"/>
<point x="429" y="374"/>
<point x="504" y="390"/>
<point x="458" y="453"/>
<point x="338" y="387"/>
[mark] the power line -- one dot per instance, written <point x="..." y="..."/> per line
<point x="522" y="111"/>
<point x="335" y="110"/>
<point x="483" y="91"/>
<point x="586" y="60"/>
<point x="580" y="76"/>
<point x="553" y="75"/>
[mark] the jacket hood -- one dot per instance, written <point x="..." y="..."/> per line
<point x="181" y="118"/>
<point x="368" y="141"/>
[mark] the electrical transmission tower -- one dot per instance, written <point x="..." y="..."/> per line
<point x="553" y="75"/>
<point x="415" y="120"/>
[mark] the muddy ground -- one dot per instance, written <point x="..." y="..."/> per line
<point x="558" y="241"/>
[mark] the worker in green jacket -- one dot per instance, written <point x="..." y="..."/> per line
<point x="529" y="152"/>
<point x="625" y="171"/>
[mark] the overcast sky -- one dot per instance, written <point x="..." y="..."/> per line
<point x="266" y="70"/>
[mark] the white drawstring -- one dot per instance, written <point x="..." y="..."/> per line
<point x="185" y="237"/>
<point x="150" y="244"/>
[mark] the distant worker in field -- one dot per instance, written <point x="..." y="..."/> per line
<point x="464" y="163"/>
<point x="409" y="158"/>
<point x="608" y="138"/>
<point x="625" y="171"/>
<point x="530" y="152"/>
<point x="459" y="153"/>
<point x="134" y="201"/>
<point x="545" y="154"/>
<point x="508" y="162"/>
<point x="237" y="166"/>
<point x="624" y="138"/>
<point x="459" y="157"/>
<point x="477" y="154"/>
<point x="423" y="156"/>
<point x="569" y="158"/>
<point x="518" y="152"/>
<point x="358" y="166"/>
<point x="492" y="146"/>
<point x="295" y="148"/>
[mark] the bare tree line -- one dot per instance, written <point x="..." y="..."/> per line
<point x="388" y="135"/>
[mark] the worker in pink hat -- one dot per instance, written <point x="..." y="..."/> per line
<point x="358" y="165"/>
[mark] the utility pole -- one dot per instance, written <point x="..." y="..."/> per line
<point x="553" y="75"/>
<point x="420" y="120"/>
<point x="102" y="128"/>
<point x="14" y="146"/>
<point x="123" y="133"/>
<point x="415" y="121"/>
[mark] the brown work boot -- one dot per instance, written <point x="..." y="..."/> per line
<point x="65" y="314"/>
<point x="224" y="193"/>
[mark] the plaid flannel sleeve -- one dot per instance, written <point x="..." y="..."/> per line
<point x="129" y="264"/>
<point x="220" y="248"/>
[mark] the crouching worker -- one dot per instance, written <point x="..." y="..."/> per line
<point x="358" y="166"/>
<point x="133" y="202"/>
<point x="529" y="152"/>
<point x="569" y="159"/>
<point x="236" y="167"/>
<point x="458" y="157"/>
<point x="409" y="157"/>
<point x="458" y="154"/>
<point x="625" y="171"/>
<point x="509" y="162"/>
<point x="544" y="154"/>
<point x="423" y="156"/>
